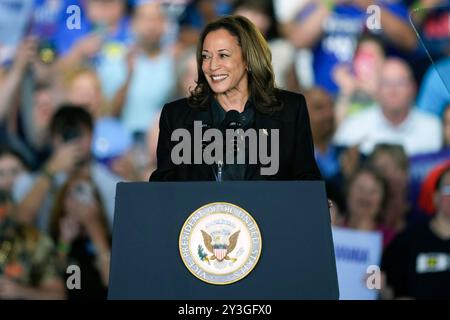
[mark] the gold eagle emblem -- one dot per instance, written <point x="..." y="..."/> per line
<point x="220" y="252"/>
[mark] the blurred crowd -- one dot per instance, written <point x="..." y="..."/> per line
<point x="82" y="84"/>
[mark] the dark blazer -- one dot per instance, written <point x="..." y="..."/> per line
<point x="296" y="149"/>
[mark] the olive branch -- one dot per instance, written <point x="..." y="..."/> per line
<point x="201" y="253"/>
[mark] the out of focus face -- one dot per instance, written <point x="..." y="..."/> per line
<point x="396" y="88"/>
<point x="85" y="91"/>
<point x="149" y="24"/>
<point x="395" y="176"/>
<point x="259" y="19"/>
<point x="365" y="196"/>
<point x="446" y="126"/>
<point x="368" y="61"/>
<point x="10" y="169"/>
<point x="107" y="12"/>
<point x="321" y="113"/>
<point x="223" y="63"/>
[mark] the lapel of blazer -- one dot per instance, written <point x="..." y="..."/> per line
<point x="203" y="115"/>
<point x="264" y="124"/>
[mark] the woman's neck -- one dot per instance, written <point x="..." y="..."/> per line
<point x="232" y="100"/>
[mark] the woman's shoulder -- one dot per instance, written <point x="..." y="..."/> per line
<point x="176" y="104"/>
<point x="290" y="96"/>
<point x="293" y="102"/>
<point x="176" y="108"/>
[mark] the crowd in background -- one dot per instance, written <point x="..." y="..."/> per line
<point x="80" y="97"/>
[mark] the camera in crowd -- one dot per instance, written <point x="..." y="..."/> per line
<point x="70" y="134"/>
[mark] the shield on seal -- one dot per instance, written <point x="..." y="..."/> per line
<point x="220" y="252"/>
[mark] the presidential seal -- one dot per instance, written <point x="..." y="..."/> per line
<point x="220" y="243"/>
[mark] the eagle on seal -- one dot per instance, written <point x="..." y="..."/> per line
<point x="219" y="251"/>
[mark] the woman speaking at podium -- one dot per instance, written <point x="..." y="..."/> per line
<point x="235" y="91"/>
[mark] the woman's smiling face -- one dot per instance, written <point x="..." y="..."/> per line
<point x="223" y="62"/>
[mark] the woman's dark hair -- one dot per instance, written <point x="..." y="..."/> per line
<point x="396" y="151"/>
<point x="256" y="54"/>
<point x="70" y="117"/>
<point x="58" y="211"/>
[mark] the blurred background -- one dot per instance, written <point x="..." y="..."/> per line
<point x="82" y="84"/>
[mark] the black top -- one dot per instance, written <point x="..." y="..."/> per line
<point x="232" y="120"/>
<point x="83" y="255"/>
<point x="296" y="151"/>
<point x="417" y="264"/>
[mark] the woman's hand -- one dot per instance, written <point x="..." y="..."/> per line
<point x="85" y="213"/>
<point x="88" y="213"/>
<point x="125" y="167"/>
<point x="26" y="53"/>
<point x="65" y="158"/>
<point x="88" y="46"/>
<point x="344" y="79"/>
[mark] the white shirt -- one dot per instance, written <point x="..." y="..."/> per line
<point x="418" y="133"/>
<point x="150" y="88"/>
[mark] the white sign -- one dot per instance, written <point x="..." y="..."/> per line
<point x="356" y="253"/>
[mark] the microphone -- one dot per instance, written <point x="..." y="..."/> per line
<point x="233" y="120"/>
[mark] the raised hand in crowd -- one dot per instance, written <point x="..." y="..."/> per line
<point x="119" y="98"/>
<point x="65" y="159"/>
<point x="26" y="53"/>
<point x="86" y="48"/>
